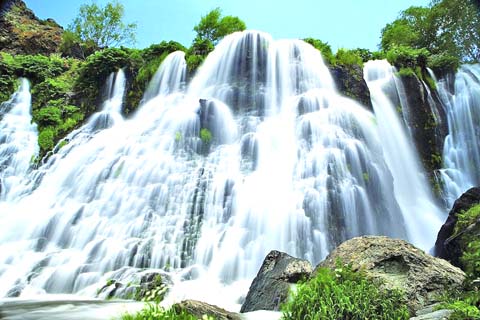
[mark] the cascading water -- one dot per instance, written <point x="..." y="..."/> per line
<point x="410" y="185"/>
<point x="461" y="152"/>
<point x="18" y="141"/>
<point x="259" y="152"/>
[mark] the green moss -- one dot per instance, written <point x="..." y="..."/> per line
<point x="344" y="294"/>
<point x="205" y="135"/>
<point x="46" y="139"/>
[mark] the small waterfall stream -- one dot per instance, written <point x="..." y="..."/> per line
<point x="411" y="188"/>
<point x="18" y="142"/>
<point x="461" y="152"/>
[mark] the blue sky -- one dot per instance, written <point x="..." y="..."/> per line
<point x="341" y="23"/>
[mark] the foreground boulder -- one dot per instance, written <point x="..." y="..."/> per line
<point x="200" y="309"/>
<point x="399" y="265"/>
<point x="270" y="287"/>
<point x="448" y="247"/>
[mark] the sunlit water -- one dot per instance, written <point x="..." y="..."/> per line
<point x="461" y="152"/>
<point x="258" y="152"/>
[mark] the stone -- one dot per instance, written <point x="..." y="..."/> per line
<point x="271" y="286"/>
<point x="199" y="309"/>
<point x="350" y="82"/>
<point x="449" y="248"/>
<point x="443" y="314"/>
<point x="21" y="32"/>
<point x="399" y="265"/>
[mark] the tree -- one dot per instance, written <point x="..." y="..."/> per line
<point x="214" y="27"/>
<point x="210" y="30"/>
<point x="446" y="28"/>
<point x="102" y="27"/>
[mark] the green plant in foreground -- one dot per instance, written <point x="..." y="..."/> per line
<point x="344" y="294"/>
<point x="153" y="311"/>
<point x="464" y="305"/>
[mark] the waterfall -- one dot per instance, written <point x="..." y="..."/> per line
<point x="410" y="185"/>
<point x="258" y="152"/>
<point x="18" y="141"/>
<point x="461" y="152"/>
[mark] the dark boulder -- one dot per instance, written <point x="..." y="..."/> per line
<point x="446" y="246"/>
<point x="271" y="286"/>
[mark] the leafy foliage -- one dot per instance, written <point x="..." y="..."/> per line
<point x="465" y="305"/>
<point x="323" y="47"/>
<point x="98" y="27"/>
<point x="348" y="57"/>
<point x="443" y="28"/>
<point x="213" y="27"/>
<point x="210" y="30"/>
<point x="470" y="258"/>
<point x="344" y="294"/>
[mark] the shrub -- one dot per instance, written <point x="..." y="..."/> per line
<point x="46" y="139"/>
<point x="407" y="57"/>
<point x="344" y="294"/>
<point x="443" y="63"/>
<point x="348" y="57"/>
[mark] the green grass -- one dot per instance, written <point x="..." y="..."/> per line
<point x="344" y="294"/>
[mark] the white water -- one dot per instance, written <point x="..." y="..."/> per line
<point x="411" y="188"/>
<point x="18" y="142"/>
<point x="260" y="152"/>
<point x="461" y="151"/>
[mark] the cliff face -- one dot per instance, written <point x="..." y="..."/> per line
<point x="21" y="32"/>
<point x="427" y="122"/>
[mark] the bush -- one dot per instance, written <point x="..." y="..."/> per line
<point x="443" y="63"/>
<point x="348" y="58"/>
<point x="46" y="139"/>
<point x="344" y="294"/>
<point x="407" y="57"/>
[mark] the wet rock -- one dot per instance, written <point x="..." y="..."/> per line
<point x="350" y="82"/>
<point x="137" y="284"/>
<point x="428" y="313"/>
<point x="427" y="122"/>
<point x="399" y="265"/>
<point x="271" y="286"/>
<point x="449" y="248"/>
<point x="199" y="309"/>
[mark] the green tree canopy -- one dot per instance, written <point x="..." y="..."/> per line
<point x="447" y="27"/>
<point x="102" y="27"/>
<point x="214" y="27"/>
